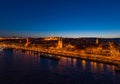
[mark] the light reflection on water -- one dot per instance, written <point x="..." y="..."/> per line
<point x="83" y="64"/>
<point x="27" y="67"/>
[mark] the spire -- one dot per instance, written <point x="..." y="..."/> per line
<point x="97" y="41"/>
<point x="59" y="43"/>
<point x="27" y="42"/>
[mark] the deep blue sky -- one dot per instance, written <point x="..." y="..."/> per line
<point x="71" y="18"/>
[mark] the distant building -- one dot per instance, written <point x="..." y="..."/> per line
<point x="60" y="43"/>
<point x="69" y="47"/>
<point x="98" y="51"/>
<point x="97" y="41"/>
<point x="51" y="38"/>
<point x="27" y="42"/>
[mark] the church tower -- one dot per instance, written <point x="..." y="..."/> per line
<point x="59" y="43"/>
<point x="27" y="42"/>
<point x="97" y="41"/>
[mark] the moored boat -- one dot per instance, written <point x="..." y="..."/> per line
<point x="50" y="56"/>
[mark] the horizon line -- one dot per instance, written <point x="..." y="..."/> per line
<point x="59" y="36"/>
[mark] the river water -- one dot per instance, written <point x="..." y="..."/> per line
<point x="18" y="67"/>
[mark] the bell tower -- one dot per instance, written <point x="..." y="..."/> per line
<point x="97" y="41"/>
<point x="27" y="42"/>
<point x="60" y="43"/>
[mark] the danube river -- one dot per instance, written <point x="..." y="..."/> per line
<point x="17" y="67"/>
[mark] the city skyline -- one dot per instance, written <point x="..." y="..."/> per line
<point x="66" y="18"/>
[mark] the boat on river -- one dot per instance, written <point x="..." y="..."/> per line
<point x="49" y="56"/>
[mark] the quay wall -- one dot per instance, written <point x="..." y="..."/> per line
<point x="92" y="57"/>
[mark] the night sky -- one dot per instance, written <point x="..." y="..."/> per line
<point x="69" y="18"/>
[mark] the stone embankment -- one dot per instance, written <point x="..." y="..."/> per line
<point x="61" y="52"/>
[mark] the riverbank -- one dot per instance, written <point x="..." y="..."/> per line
<point x="56" y="52"/>
<point x="91" y="57"/>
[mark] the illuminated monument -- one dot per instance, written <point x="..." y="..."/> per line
<point x="51" y="38"/>
<point x="59" y="45"/>
<point x="27" y="42"/>
<point x="97" y="41"/>
<point x="59" y="39"/>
